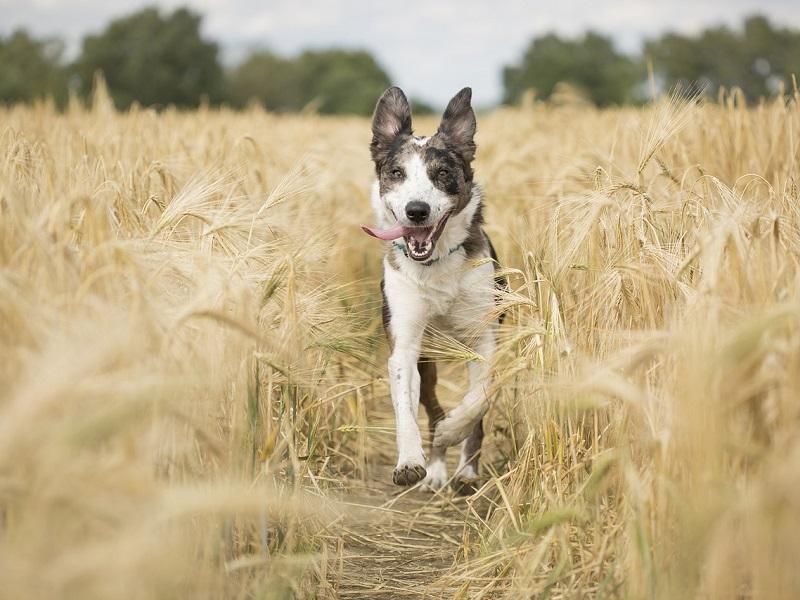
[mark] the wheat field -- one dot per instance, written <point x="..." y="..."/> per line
<point x="192" y="391"/>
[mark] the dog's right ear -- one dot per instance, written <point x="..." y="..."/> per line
<point x="392" y="118"/>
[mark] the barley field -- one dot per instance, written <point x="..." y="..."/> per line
<point x="192" y="386"/>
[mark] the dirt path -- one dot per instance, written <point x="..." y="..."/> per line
<point x="397" y="542"/>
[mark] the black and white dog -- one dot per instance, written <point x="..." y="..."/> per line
<point x="429" y="210"/>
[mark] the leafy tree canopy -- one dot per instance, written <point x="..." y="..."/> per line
<point x="759" y="58"/>
<point x="589" y="63"/>
<point x="331" y="81"/>
<point x="152" y="58"/>
<point x="31" y="69"/>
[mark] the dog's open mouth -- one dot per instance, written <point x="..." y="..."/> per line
<point x="420" y="241"/>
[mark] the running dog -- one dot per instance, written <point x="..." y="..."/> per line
<point x="438" y="272"/>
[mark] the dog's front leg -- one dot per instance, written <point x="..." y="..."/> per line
<point x="406" y="323"/>
<point x="405" y="381"/>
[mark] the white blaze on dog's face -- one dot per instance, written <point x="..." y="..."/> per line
<point x="423" y="181"/>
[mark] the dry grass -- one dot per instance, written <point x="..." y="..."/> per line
<point x="192" y="400"/>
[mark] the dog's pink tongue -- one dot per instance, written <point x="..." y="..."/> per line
<point x="386" y="234"/>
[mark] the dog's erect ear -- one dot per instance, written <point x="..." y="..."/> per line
<point x="392" y="118"/>
<point x="458" y="124"/>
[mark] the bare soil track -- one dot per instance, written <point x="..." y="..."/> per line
<point x="398" y="542"/>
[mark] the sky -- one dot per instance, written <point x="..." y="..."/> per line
<point x="431" y="48"/>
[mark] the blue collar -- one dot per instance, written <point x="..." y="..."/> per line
<point x="427" y="263"/>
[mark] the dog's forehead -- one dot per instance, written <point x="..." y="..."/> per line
<point x="429" y="141"/>
<point x="424" y="147"/>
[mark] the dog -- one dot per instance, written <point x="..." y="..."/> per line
<point x="439" y="271"/>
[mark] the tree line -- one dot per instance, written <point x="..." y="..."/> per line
<point x="161" y="59"/>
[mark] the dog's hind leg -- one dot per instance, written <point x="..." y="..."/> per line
<point x="461" y="422"/>
<point x="465" y="481"/>
<point x="437" y="467"/>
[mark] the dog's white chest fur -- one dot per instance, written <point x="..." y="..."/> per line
<point x="454" y="291"/>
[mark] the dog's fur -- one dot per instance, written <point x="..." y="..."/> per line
<point x="453" y="290"/>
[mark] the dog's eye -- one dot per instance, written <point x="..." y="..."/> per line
<point x="396" y="173"/>
<point x="443" y="173"/>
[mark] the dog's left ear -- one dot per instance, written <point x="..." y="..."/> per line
<point x="458" y="124"/>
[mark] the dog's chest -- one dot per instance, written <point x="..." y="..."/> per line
<point x="449" y="292"/>
<point x="442" y="294"/>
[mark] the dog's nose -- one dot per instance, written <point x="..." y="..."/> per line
<point x="417" y="211"/>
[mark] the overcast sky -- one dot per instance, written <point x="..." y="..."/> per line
<point x="430" y="48"/>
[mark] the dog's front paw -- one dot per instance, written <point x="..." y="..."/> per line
<point x="408" y="474"/>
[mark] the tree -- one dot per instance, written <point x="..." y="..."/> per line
<point x="590" y="63"/>
<point x="269" y="79"/>
<point x="154" y="59"/>
<point x="333" y="81"/>
<point x="31" y="69"/>
<point x="758" y="59"/>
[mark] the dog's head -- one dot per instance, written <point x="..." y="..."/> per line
<point x="423" y="180"/>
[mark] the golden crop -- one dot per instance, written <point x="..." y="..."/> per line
<point x="192" y="400"/>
